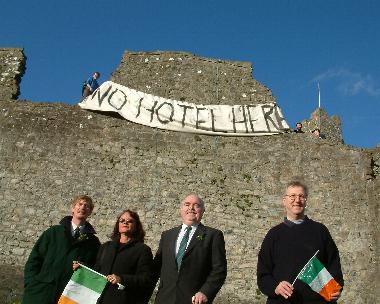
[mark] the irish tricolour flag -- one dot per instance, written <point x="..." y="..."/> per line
<point x="84" y="287"/>
<point x="318" y="278"/>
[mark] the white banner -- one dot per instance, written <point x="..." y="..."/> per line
<point x="168" y="114"/>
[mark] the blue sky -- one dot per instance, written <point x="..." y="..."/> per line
<point x="292" y="44"/>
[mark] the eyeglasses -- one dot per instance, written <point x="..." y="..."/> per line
<point x="292" y="197"/>
<point x="122" y="221"/>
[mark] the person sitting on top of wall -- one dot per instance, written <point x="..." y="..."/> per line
<point x="90" y="85"/>
<point x="317" y="133"/>
<point x="298" y="128"/>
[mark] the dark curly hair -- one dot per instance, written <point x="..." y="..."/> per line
<point x="138" y="233"/>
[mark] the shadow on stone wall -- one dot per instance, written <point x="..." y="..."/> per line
<point x="11" y="284"/>
<point x="230" y="298"/>
<point x="11" y="289"/>
<point x="234" y="299"/>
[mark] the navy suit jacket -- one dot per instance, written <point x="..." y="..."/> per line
<point x="203" y="268"/>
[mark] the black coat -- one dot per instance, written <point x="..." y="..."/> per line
<point x="49" y="266"/>
<point x="133" y="263"/>
<point x="203" y="268"/>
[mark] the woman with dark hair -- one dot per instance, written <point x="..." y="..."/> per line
<point x="126" y="260"/>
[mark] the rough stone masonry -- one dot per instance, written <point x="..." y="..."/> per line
<point x="52" y="152"/>
<point x="12" y="68"/>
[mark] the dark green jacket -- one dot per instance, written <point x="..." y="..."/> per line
<point x="49" y="266"/>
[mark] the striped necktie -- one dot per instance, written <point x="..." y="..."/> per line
<point x="182" y="247"/>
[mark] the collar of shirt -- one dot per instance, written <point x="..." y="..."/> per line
<point x="294" y="222"/>
<point x="73" y="227"/>
<point x="182" y="233"/>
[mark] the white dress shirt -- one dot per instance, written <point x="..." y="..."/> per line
<point x="182" y="233"/>
<point x="73" y="227"/>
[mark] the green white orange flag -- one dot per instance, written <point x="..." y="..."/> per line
<point x="318" y="278"/>
<point x="84" y="287"/>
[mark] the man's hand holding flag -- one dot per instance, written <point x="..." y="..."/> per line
<point x="319" y="279"/>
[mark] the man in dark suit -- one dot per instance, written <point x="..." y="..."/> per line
<point x="191" y="259"/>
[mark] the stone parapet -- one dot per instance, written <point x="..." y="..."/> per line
<point x="185" y="77"/>
<point x="330" y="127"/>
<point x="12" y="68"/>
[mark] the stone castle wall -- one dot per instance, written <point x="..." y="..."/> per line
<point x="330" y="127"/>
<point x="185" y="77"/>
<point x="12" y="67"/>
<point x="52" y="152"/>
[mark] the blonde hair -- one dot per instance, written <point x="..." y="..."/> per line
<point x="85" y="198"/>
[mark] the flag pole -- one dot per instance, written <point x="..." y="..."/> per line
<point x="319" y="96"/>
<point x="304" y="267"/>
<point x="120" y="286"/>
